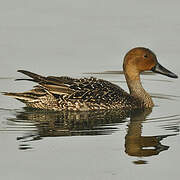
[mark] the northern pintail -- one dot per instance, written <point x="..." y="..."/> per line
<point x="65" y="93"/>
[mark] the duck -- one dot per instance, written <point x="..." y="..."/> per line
<point x="87" y="94"/>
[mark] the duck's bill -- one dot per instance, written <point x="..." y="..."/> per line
<point x="162" y="70"/>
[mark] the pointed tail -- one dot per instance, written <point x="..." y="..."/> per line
<point x="24" y="97"/>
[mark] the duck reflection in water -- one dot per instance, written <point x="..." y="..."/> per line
<point x="51" y="124"/>
<point x="142" y="146"/>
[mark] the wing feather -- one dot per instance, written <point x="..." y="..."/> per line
<point x="52" y="84"/>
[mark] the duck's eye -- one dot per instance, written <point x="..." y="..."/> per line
<point x="145" y="56"/>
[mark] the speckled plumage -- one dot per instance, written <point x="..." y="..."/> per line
<point x="64" y="93"/>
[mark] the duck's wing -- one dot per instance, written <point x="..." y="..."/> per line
<point x="51" y="85"/>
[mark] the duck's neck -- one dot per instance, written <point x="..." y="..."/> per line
<point x="136" y="89"/>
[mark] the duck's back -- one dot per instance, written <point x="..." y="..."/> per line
<point x="64" y="93"/>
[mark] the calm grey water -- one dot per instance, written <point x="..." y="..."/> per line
<point x="75" y="37"/>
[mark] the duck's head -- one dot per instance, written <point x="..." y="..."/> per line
<point x="142" y="59"/>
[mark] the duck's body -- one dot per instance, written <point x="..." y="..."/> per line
<point x="64" y="93"/>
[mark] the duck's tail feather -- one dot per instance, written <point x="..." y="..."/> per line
<point x="51" y="85"/>
<point x="24" y="97"/>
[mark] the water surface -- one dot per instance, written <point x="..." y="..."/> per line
<point x="97" y="144"/>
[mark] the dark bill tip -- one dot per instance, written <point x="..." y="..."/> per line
<point x="162" y="70"/>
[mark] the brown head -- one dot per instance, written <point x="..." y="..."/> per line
<point x="136" y="61"/>
<point x="142" y="59"/>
